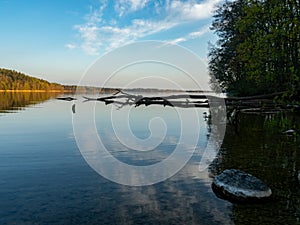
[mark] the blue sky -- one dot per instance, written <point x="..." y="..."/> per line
<point x="58" y="40"/>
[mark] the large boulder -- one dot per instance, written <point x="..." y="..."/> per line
<point x="238" y="186"/>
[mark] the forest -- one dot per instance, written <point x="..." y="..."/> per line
<point x="258" y="47"/>
<point x="13" y="80"/>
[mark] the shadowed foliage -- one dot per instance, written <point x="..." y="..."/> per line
<point x="258" y="47"/>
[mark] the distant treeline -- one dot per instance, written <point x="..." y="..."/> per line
<point x="258" y="50"/>
<point x="13" y="80"/>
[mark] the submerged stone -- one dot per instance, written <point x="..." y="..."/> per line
<point x="238" y="186"/>
<point x="289" y="132"/>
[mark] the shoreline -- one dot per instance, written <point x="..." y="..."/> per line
<point x="41" y="91"/>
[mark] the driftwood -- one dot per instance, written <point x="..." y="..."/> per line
<point x="260" y="102"/>
<point x="66" y="98"/>
<point x="182" y="100"/>
<point x="234" y="105"/>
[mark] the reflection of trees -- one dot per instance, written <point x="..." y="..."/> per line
<point x="18" y="100"/>
<point x="260" y="148"/>
<point x="216" y="126"/>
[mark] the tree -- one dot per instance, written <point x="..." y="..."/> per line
<point x="258" y="47"/>
<point x="13" y="80"/>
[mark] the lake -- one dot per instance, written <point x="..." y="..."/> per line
<point x="46" y="178"/>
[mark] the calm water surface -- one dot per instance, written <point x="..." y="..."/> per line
<point x="45" y="180"/>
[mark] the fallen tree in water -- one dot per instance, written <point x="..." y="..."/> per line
<point x="259" y="103"/>
<point x="253" y="104"/>
<point x="121" y="99"/>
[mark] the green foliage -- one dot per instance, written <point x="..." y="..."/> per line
<point x="13" y="80"/>
<point x="258" y="47"/>
<point x="279" y="122"/>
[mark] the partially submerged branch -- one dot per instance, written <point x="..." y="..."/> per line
<point x="121" y="99"/>
<point x="183" y="101"/>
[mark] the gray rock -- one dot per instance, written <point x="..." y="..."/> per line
<point x="238" y="186"/>
<point x="289" y="132"/>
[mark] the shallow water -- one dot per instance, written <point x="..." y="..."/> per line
<point x="44" y="179"/>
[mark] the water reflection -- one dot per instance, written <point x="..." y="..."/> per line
<point x="139" y="144"/>
<point x="11" y="101"/>
<point x="44" y="179"/>
<point x="260" y="147"/>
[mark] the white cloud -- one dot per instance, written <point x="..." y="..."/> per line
<point x="95" y="15"/>
<point x="123" y="6"/>
<point x="177" y="40"/>
<point x="106" y="32"/>
<point x="196" y="34"/>
<point x="138" y="4"/>
<point x="70" y="46"/>
<point x="89" y="34"/>
<point x="191" y="36"/>
<point x="111" y="37"/>
<point x="191" y="10"/>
